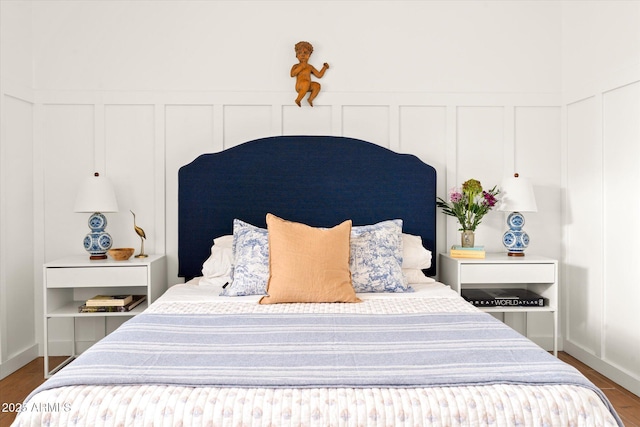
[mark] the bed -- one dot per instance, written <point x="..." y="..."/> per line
<point x="232" y="348"/>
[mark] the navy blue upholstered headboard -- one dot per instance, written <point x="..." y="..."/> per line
<point x="317" y="180"/>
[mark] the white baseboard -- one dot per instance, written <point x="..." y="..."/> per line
<point x="610" y="371"/>
<point x="17" y="361"/>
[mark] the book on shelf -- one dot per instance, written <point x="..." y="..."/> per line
<point x="457" y="251"/>
<point x="109" y="300"/>
<point x="468" y="248"/>
<point x="135" y="301"/>
<point x="503" y="298"/>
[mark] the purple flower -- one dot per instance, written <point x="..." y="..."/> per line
<point x="455" y="196"/>
<point x="489" y="199"/>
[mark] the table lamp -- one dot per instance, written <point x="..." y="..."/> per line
<point x="96" y="195"/>
<point x="516" y="197"/>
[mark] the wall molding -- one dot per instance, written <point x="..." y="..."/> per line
<point x="613" y="80"/>
<point x="17" y="91"/>
<point x="286" y="98"/>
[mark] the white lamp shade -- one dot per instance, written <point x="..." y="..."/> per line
<point x="517" y="195"/>
<point x="96" y="195"/>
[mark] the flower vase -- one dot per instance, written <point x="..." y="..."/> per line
<point x="468" y="239"/>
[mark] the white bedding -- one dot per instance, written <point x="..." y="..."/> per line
<point x="495" y="405"/>
<point x="192" y="292"/>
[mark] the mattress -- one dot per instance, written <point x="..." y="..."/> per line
<point x="497" y="404"/>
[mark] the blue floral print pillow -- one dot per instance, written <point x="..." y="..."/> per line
<point x="376" y="258"/>
<point x="250" y="271"/>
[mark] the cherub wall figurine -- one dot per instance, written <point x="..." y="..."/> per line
<point x="302" y="72"/>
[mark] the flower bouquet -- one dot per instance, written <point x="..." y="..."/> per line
<point x="469" y="205"/>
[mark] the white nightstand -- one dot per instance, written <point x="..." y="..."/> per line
<point x="69" y="282"/>
<point x="497" y="270"/>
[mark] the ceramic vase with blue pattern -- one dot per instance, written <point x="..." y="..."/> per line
<point x="516" y="240"/>
<point x="98" y="241"/>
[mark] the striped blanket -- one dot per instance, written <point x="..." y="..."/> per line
<point x="316" y="350"/>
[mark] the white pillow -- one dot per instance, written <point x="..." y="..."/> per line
<point x="415" y="275"/>
<point x="224" y="241"/>
<point x="414" y="255"/>
<point x="220" y="261"/>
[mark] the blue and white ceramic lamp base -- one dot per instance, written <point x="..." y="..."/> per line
<point x="516" y="240"/>
<point x="98" y="241"/>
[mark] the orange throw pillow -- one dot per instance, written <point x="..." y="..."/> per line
<point x="308" y="264"/>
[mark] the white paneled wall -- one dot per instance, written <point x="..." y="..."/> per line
<point x="140" y="145"/>
<point x="310" y="121"/>
<point x="583" y="263"/>
<point x="17" y="235"/>
<point x="537" y="133"/>
<point x="68" y="132"/>
<point x="602" y="272"/>
<point x="132" y="154"/>
<point x="601" y="75"/>
<point x="621" y="158"/>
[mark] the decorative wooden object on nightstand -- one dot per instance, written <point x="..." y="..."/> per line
<point x="69" y="282"/>
<point x="499" y="271"/>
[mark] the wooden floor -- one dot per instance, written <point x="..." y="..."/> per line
<point x="626" y="403"/>
<point x="15" y="387"/>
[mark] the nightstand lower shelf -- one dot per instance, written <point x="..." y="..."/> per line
<point x="71" y="310"/>
<point x="518" y="309"/>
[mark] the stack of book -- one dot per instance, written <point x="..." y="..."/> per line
<point x="111" y="303"/>
<point x="466" y="252"/>
<point x="503" y="298"/>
